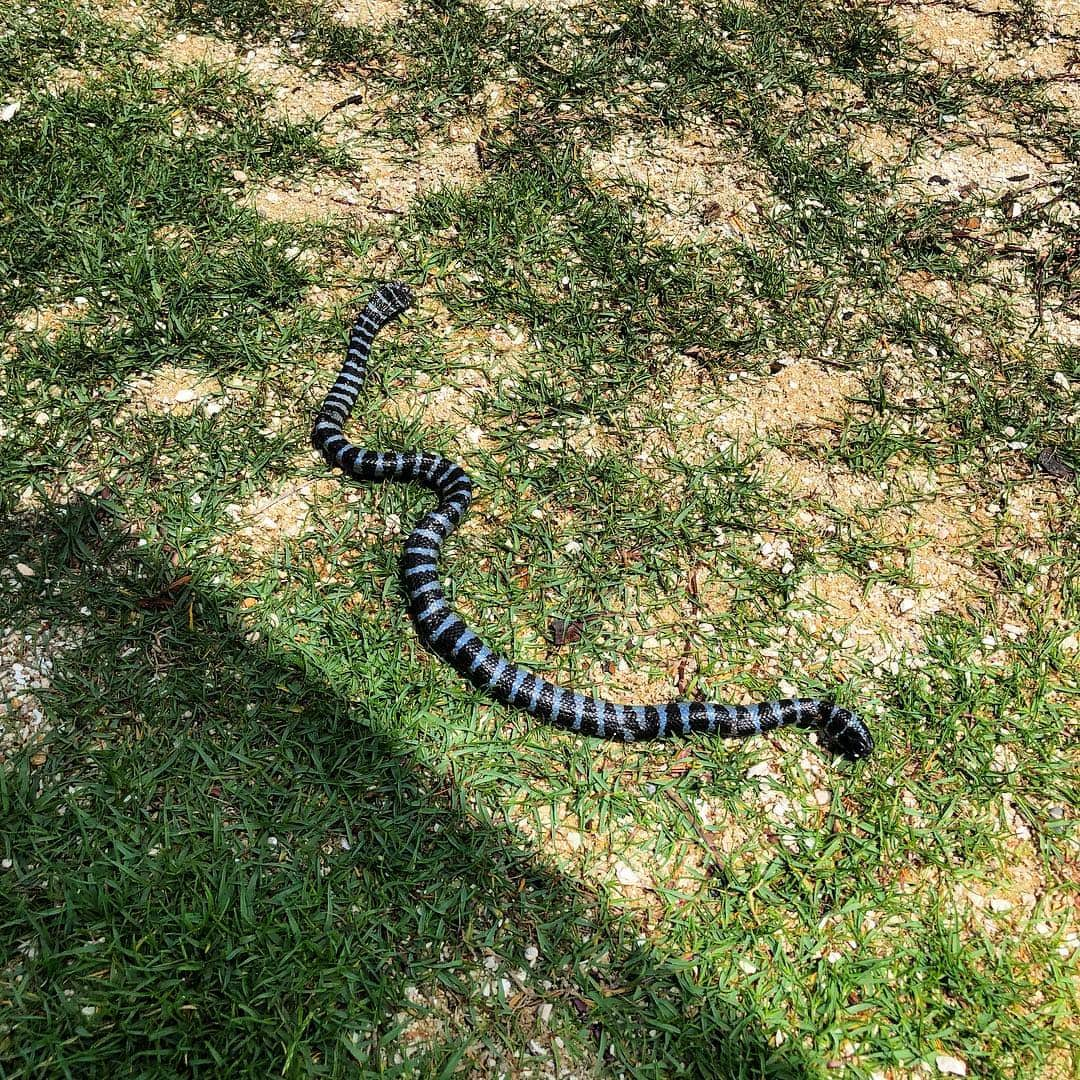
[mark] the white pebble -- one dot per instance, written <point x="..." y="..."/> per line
<point x="187" y="394"/>
<point x="946" y="1063"/>
<point x="906" y="605"/>
<point x="25" y="570"/>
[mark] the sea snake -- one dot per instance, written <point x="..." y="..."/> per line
<point x="444" y="632"/>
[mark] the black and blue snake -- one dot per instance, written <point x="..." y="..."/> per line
<point x="444" y="632"/>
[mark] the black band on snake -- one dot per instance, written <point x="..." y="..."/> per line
<point x="444" y="632"/>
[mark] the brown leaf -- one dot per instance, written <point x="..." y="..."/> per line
<point x="165" y="598"/>
<point x="565" y="631"/>
<point x="682" y="677"/>
<point x="711" y="211"/>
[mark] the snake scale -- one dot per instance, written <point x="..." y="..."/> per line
<point x="444" y="632"/>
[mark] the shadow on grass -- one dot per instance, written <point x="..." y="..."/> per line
<point x="224" y="864"/>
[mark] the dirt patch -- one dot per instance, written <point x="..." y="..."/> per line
<point x="131" y="15"/>
<point x="51" y="321"/>
<point x="371" y="14"/>
<point x="171" y="389"/>
<point x="297" y="91"/>
<point x="703" y="189"/>
<point x="984" y="164"/>
<point x="804" y="398"/>
<point x="186" y="49"/>
<point x="383" y="185"/>
<point x="883" y="149"/>
<point x="264" y="524"/>
<point x="987" y="37"/>
<point x="27" y="660"/>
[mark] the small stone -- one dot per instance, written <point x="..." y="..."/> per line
<point x="531" y="954"/>
<point x="239" y="176"/>
<point x="627" y="875"/>
<point x="747" y="968"/>
<point x="1000" y="904"/>
<point x="25" y="570"/>
<point x="906" y="605"/>
<point x="8" y="112"/>
<point x="187" y="394"/>
<point x="544" y="1013"/>
<point x="946" y="1063"/>
<point x="1056" y="813"/>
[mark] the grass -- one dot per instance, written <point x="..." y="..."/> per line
<point x="258" y="829"/>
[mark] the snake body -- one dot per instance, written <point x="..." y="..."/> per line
<point x="443" y="631"/>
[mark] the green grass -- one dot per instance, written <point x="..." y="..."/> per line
<point x="265" y="832"/>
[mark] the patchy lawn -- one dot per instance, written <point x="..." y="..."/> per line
<point x="756" y="327"/>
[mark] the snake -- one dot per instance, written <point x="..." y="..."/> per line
<point x="443" y="632"/>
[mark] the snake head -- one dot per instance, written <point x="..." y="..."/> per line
<point x="842" y="732"/>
